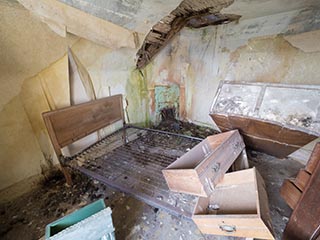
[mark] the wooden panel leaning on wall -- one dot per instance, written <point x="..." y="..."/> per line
<point x="292" y="189"/>
<point x="304" y="222"/>
<point x="70" y="124"/>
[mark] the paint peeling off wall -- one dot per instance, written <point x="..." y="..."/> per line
<point x="48" y="90"/>
<point x="275" y="60"/>
<point x="252" y="50"/>
<point x="26" y="47"/>
<point x="307" y="42"/>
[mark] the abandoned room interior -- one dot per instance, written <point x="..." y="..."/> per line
<point x="149" y="119"/>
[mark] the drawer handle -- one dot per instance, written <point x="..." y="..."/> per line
<point x="216" y="167"/>
<point x="228" y="228"/>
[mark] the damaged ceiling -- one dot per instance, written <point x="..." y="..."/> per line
<point x="166" y="20"/>
<point x="188" y="13"/>
<point x="141" y="15"/>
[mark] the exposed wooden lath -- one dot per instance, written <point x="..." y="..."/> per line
<point x="189" y="13"/>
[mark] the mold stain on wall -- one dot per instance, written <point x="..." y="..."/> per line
<point x="137" y="97"/>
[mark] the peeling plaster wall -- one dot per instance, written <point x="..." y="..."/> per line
<point x="265" y="49"/>
<point x="34" y="79"/>
<point x="26" y="47"/>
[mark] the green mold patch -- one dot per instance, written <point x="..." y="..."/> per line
<point x="137" y="98"/>
<point x="166" y="97"/>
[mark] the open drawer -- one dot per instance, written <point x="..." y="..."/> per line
<point x="237" y="207"/>
<point x="199" y="170"/>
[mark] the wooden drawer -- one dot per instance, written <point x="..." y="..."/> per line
<point x="198" y="171"/>
<point x="237" y="207"/>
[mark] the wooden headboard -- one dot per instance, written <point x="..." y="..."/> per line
<point x="70" y="124"/>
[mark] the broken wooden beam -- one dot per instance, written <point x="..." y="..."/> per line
<point x="211" y="19"/>
<point x="189" y="13"/>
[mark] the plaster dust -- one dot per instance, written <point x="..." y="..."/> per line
<point x="27" y="216"/>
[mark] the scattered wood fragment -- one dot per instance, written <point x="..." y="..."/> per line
<point x="290" y="193"/>
<point x="189" y="13"/>
<point x="302" y="179"/>
<point x="314" y="158"/>
<point x="305" y="221"/>
<point x="292" y="189"/>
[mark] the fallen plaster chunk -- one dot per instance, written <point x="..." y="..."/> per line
<point x="62" y="17"/>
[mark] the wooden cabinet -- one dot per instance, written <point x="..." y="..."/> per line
<point x="198" y="171"/>
<point x="237" y="207"/>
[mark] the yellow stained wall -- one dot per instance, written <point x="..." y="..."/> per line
<point x="20" y="153"/>
<point x="26" y="47"/>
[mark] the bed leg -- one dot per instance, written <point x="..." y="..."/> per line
<point x="65" y="170"/>
<point x="67" y="175"/>
<point x="124" y="136"/>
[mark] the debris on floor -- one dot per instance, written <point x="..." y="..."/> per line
<point x="93" y="221"/>
<point x="28" y="215"/>
<point x="202" y="172"/>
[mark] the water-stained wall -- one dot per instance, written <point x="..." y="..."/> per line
<point x="35" y="78"/>
<point x="281" y="48"/>
<point x="26" y="47"/>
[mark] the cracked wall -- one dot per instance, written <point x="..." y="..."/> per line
<point x="266" y="49"/>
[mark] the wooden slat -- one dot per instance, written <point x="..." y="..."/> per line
<point x="305" y="218"/>
<point x="314" y="158"/>
<point x="302" y="179"/>
<point x="290" y="193"/>
<point x="69" y="124"/>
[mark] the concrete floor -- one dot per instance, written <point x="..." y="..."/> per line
<point x="26" y="217"/>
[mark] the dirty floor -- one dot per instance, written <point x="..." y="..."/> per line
<point x="26" y="217"/>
